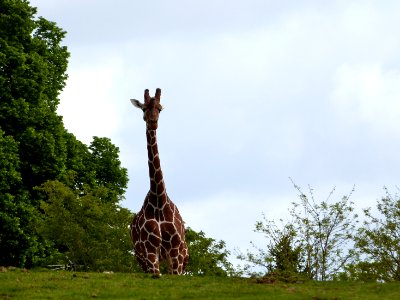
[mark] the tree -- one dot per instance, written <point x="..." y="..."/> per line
<point x="19" y="245"/>
<point x="10" y="231"/>
<point x="379" y="241"/>
<point x="285" y="255"/>
<point x="78" y="174"/>
<point x="32" y="73"/>
<point x="206" y="255"/>
<point x="316" y="243"/>
<point x="325" y="231"/>
<point x="282" y="256"/>
<point x="85" y="230"/>
<point x="96" y="166"/>
<point x="106" y="168"/>
<point x="9" y="164"/>
<point x="36" y="147"/>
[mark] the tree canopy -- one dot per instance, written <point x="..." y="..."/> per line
<point x="316" y="244"/>
<point x="35" y="145"/>
<point x="85" y="230"/>
<point x="206" y="255"/>
<point x="379" y="241"/>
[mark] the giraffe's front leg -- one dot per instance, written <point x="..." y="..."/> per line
<point x="151" y="240"/>
<point x="176" y="261"/>
<point x="153" y="264"/>
<point x="185" y="253"/>
<point x="142" y="262"/>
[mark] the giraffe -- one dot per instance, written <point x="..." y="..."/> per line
<point x="157" y="230"/>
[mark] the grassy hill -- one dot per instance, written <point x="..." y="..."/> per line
<point x="23" y="284"/>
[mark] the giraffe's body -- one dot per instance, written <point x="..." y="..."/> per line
<point x="157" y="231"/>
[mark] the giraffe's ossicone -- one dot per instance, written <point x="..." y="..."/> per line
<point x="157" y="230"/>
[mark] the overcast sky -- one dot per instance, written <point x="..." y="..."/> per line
<point x="254" y="92"/>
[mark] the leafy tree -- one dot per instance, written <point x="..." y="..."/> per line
<point x="35" y="146"/>
<point x="10" y="231"/>
<point x="106" y="168"/>
<point x="379" y="241"/>
<point x="286" y="256"/>
<point x="32" y="73"/>
<point x="360" y="270"/>
<point x="325" y="232"/>
<point x="19" y="245"/>
<point x="282" y="256"/>
<point x="316" y="243"/>
<point x="78" y="173"/>
<point x="207" y="256"/>
<point x="85" y="229"/>
<point x="96" y="166"/>
<point x="9" y="164"/>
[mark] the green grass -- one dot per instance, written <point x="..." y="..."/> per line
<point x="16" y="284"/>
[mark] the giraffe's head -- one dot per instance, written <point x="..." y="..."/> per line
<point x="151" y="108"/>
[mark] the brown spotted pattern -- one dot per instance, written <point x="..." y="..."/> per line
<point x="157" y="231"/>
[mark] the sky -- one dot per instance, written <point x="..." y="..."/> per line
<point x="255" y="92"/>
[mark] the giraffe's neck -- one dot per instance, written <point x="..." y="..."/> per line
<point x="157" y="185"/>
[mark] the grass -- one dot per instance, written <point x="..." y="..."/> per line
<point x="22" y="284"/>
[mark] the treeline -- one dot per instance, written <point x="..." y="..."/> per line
<point x="327" y="240"/>
<point x="40" y="161"/>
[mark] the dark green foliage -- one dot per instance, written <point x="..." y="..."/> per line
<point x="286" y="256"/>
<point x="76" y="163"/>
<point x="86" y="230"/>
<point x="362" y="271"/>
<point x="207" y="256"/>
<point x="34" y="145"/>
<point x="32" y="74"/>
<point x="97" y="166"/>
<point x="16" y="240"/>
<point x="9" y="164"/>
<point x="282" y="258"/>
<point x="104" y="164"/>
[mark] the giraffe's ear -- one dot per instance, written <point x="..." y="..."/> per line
<point x="137" y="104"/>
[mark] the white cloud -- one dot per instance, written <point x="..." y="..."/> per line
<point x="88" y="103"/>
<point x="370" y="94"/>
